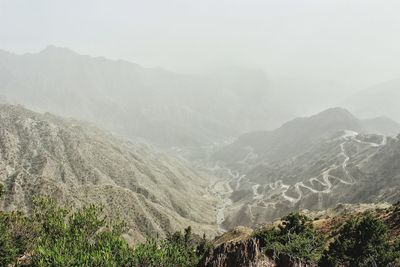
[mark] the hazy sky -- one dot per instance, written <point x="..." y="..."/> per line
<point x="354" y="43"/>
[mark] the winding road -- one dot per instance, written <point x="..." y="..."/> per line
<point x="223" y="190"/>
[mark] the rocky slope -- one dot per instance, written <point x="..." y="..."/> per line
<point x="77" y="163"/>
<point x="309" y="163"/>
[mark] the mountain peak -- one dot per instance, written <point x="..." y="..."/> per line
<point x="336" y="111"/>
<point x="55" y="50"/>
<point x="334" y="117"/>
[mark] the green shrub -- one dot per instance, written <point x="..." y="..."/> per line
<point x="8" y="247"/>
<point x="61" y="236"/>
<point x="296" y="237"/>
<point x="395" y="254"/>
<point x="360" y="242"/>
<point x="77" y="238"/>
<point x="178" y="249"/>
<point x="8" y="252"/>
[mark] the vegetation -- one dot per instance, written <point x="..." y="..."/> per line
<point x="176" y="250"/>
<point x="77" y="238"/>
<point x="296" y="236"/>
<point x="7" y="250"/>
<point x="17" y="233"/>
<point x="62" y="236"/>
<point x="359" y="242"/>
<point x="362" y="242"/>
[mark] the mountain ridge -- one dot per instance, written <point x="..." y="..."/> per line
<point x="76" y="163"/>
<point x="295" y="168"/>
<point x="164" y="107"/>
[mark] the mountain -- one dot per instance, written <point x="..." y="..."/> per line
<point x="164" y="107"/>
<point x="299" y="134"/>
<point x="379" y="100"/>
<point x="382" y="125"/>
<point x="308" y="163"/>
<point x="291" y="138"/>
<point x="77" y="163"/>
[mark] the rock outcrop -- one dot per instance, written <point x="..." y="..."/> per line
<point x="248" y="253"/>
<point x="285" y="260"/>
<point x="243" y="253"/>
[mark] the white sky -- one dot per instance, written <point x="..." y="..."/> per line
<point x="354" y="43"/>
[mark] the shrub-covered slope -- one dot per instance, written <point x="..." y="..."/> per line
<point x="76" y="163"/>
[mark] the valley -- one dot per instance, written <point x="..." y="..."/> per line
<point x="251" y="197"/>
<point x="179" y="133"/>
<point x="219" y="193"/>
<point x="249" y="169"/>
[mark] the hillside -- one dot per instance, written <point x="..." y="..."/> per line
<point x="297" y="135"/>
<point x="296" y="167"/>
<point x="291" y="138"/>
<point x="77" y="163"/>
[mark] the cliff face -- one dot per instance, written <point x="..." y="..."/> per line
<point x="285" y="260"/>
<point x="248" y="254"/>
<point x="244" y="253"/>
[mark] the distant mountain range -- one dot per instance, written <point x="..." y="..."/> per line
<point x="379" y="100"/>
<point x="309" y="163"/>
<point x="299" y="134"/>
<point x="166" y="108"/>
<point x="76" y="163"/>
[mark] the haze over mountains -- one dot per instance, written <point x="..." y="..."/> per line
<point x="380" y="99"/>
<point x="255" y="158"/>
<point x="299" y="134"/>
<point x="161" y="106"/>
<point x="167" y="108"/>
<point x="270" y="127"/>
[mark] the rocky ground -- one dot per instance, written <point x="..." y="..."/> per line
<point x="77" y="163"/>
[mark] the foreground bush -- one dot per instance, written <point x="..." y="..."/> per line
<point x="7" y="249"/>
<point x="77" y="238"/>
<point x="176" y="250"/>
<point x="296" y="236"/>
<point x="362" y="242"/>
<point x="61" y="236"/>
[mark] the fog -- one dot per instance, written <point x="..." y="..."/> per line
<point x="261" y="62"/>
<point x="351" y="43"/>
